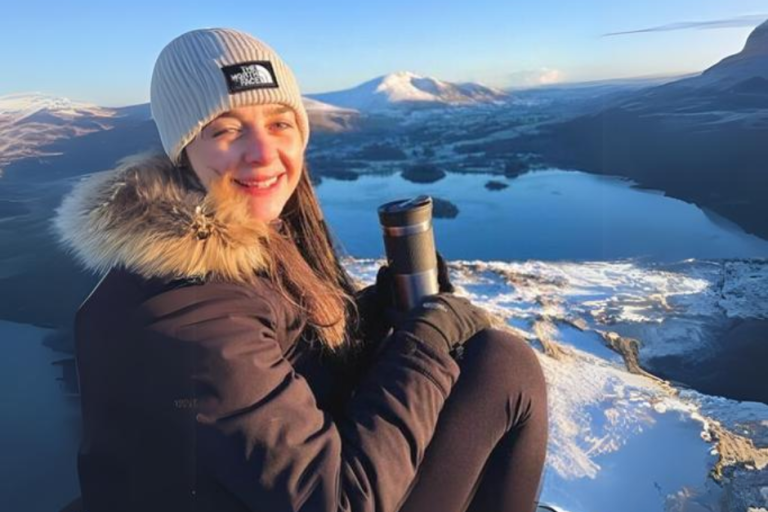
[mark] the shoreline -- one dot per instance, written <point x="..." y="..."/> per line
<point x="735" y="371"/>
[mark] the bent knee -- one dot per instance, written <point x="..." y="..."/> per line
<point x="506" y="350"/>
<point x="508" y="361"/>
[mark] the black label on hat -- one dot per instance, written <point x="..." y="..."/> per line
<point x="250" y="75"/>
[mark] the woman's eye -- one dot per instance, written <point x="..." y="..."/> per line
<point x="282" y="125"/>
<point x="224" y="131"/>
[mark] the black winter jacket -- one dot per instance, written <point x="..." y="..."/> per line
<point x="203" y="394"/>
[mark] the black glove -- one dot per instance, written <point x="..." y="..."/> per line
<point x="376" y="303"/>
<point x="444" y="322"/>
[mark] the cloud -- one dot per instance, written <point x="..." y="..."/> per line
<point x="750" y="20"/>
<point x="533" y="77"/>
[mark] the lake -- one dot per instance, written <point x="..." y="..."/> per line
<point x="545" y="215"/>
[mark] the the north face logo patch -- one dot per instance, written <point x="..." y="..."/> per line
<point x="249" y="75"/>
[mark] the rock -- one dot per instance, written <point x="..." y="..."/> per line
<point x="423" y="173"/>
<point x="444" y="209"/>
<point x="514" y="168"/>
<point x="496" y="185"/>
<point x="377" y="152"/>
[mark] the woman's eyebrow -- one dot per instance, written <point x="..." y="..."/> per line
<point x="277" y="110"/>
<point x="272" y="111"/>
<point x="224" y="116"/>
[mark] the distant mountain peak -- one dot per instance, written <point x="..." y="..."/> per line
<point x="757" y="42"/>
<point x="403" y="75"/>
<point x="751" y="61"/>
<point x="19" y="106"/>
<point x="312" y="105"/>
<point x="324" y="117"/>
<point x="403" y="88"/>
<point x="31" y="121"/>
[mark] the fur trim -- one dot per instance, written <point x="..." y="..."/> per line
<point x="145" y="217"/>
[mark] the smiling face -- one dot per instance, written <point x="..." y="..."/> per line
<point x="259" y="148"/>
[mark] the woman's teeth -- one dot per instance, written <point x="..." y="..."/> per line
<point x="259" y="184"/>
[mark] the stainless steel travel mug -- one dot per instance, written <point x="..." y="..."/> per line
<point x="410" y="247"/>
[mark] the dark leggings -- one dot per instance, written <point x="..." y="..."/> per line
<point x="488" y="450"/>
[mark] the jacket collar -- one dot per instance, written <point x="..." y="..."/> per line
<point x="149" y="218"/>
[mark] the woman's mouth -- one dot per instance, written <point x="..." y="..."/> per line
<point x="258" y="185"/>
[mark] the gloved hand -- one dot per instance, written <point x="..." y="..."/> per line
<point x="376" y="303"/>
<point x="444" y="322"/>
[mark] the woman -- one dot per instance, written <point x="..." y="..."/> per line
<point x="222" y="366"/>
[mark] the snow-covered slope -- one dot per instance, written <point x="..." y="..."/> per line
<point x="30" y="121"/>
<point x="409" y="89"/>
<point x="617" y="431"/>
<point x="330" y="118"/>
<point x="17" y="107"/>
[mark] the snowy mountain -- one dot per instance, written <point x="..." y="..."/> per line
<point x="324" y="117"/>
<point x="30" y="121"/>
<point x="17" y="107"/>
<point x="406" y="89"/>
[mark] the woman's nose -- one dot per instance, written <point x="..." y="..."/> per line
<point x="260" y="147"/>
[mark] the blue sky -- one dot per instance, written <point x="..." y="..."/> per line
<point x="101" y="53"/>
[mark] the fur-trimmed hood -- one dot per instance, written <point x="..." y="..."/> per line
<point x="148" y="217"/>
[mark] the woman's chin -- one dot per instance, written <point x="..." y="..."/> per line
<point x="264" y="213"/>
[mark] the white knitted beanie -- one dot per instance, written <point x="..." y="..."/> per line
<point x="204" y="73"/>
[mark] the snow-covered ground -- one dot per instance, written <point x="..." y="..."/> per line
<point x="620" y="439"/>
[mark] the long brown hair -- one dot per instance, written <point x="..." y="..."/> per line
<point x="310" y="270"/>
<point x="305" y="267"/>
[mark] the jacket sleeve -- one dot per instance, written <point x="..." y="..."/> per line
<point x="261" y="435"/>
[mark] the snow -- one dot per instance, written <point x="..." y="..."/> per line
<point x="24" y="136"/>
<point x="598" y="409"/>
<point x="745" y="290"/>
<point x="315" y="105"/>
<point x="406" y="87"/>
<point x="15" y="107"/>
<point x="399" y="87"/>
<point x="671" y="312"/>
